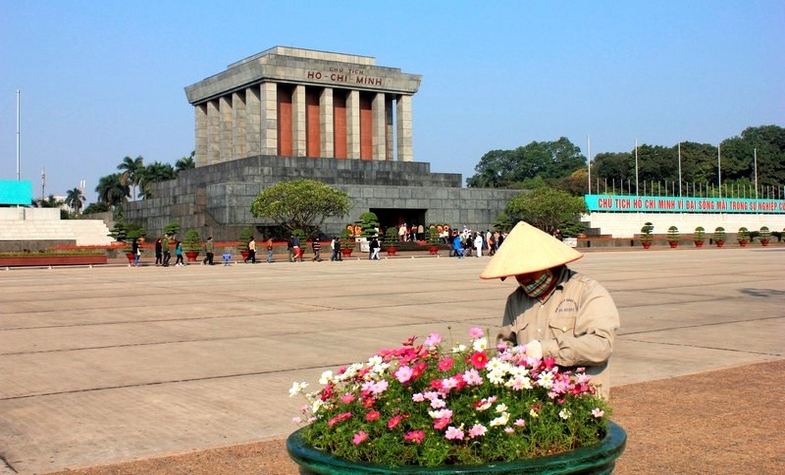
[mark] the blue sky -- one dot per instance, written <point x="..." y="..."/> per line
<point x="102" y="80"/>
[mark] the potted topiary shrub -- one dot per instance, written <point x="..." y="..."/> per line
<point x="719" y="236"/>
<point x="433" y="240"/>
<point x="390" y="239"/>
<point x="673" y="237"/>
<point x="647" y="235"/>
<point x="133" y="232"/>
<point x="192" y="244"/>
<point x="698" y="237"/>
<point x="743" y="236"/>
<point x="245" y="237"/>
<point x="476" y="408"/>
<point x="347" y="243"/>
<point x="764" y="234"/>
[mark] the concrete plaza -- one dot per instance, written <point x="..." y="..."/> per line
<point x="108" y="364"/>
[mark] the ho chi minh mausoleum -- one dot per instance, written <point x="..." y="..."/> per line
<point x="289" y="113"/>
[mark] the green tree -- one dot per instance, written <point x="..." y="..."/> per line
<point x="154" y="173"/>
<point x="75" y="199"/>
<point x="300" y="204"/>
<point x="368" y="222"/>
<point x="547" y="208"/>
<point x="49" y="202"/>
<point x="131" y="170"/>
<point x="111" y="190"/>
<point x="99" y="207"/>
<point x="185" y="163"/>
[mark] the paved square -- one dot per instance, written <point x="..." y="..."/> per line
<point x="107" y="364"/>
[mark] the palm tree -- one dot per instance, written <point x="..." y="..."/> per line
<point x="154" y="173"/>
<point x="49" y="202"/>
<point x="112" y="190"/>
<point x="131" y="169"/>
<point x="185" y="163"/>
<point x="74" y="199"/>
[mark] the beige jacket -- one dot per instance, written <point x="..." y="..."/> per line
<point x="575" y="325"/>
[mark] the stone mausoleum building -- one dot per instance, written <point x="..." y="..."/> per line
<point x="289" y="113"/>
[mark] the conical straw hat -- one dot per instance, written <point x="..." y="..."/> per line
<point x="527" y="249"/>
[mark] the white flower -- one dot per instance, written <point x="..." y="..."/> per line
<point x="495" y="364"/>
<point x="534" y="413"/>
<point x="597" y="412"/>
<point x="496" y="377"/>
<point x="438" y="403"/>
<point x="297" y="388"/>
<point x="545" y="380"/>
<point x="518" y="371"/>
<point x="326" y="377"/>
<point x="501" y="420"/>
<point x="440" y="414"/>
<point x="459" y="349"/>
<point x="565" y="413"/>
<point x="316" y="405"/>
<point x="500" y="408"/>
<point x="519" y="383"/>
<point x="375" y="360"/>
<point x="480" y="344"/>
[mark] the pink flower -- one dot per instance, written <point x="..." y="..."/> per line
<point x="477" y="430"/>
<point x="597" y="412"/>
<point x="415" y="436"/>
<point x="509" y="430"/>
<point x="445" y="364"/>
<point x="472" y="377"/>
<point x="379" y="387"/>
<point x="347" y="398"/>
<point x="479" y="360"/>
<point x="519" y="422"/>
<point x="433" y="340"/>
<point x="359" y="437"/>
<point x="418" y="397"/>
<point x="437" y="403"/>
<point x="339" y="418"/>
<point x="372" y="415"/>
<point x="297" y="419"/>
<point x="453" y="433"/>
<point x="404" y="374"/>
<point x="476" y="332"/>
<point x="449" y="383"/>
<point x="394" y="421"/>
<point x="440" y="424"/>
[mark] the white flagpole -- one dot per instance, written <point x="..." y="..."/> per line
<point x="637" y="193"/>
<point x="588" y="159"/>
<point x="18" y="135"/>
<point x="755" y="162"/>
<point x="679" y="169"/>
<point x="719" y="172"/>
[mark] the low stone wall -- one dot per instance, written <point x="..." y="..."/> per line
<point x="34" y="245"/>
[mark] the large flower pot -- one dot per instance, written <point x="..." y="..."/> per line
<point x="433" y="250"/>
<point x="698" y="243"/>
<point x="346" y="251"/>
<point x="599" y="458"/>
<point x="764" y="242"/>
<point x="191" y="255"/>
<point x="742" y="243"/>
<point x="719" y="243"/>
<point x="646" y="244"/>
<point x="391" y="251"/>
<point x="674" y="244"/>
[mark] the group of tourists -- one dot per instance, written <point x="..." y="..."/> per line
<point x="464" y="243"/>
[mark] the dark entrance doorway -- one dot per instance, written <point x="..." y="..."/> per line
<point x="395" y="217"/>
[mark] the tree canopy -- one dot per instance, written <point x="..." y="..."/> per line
<point x="300" y="204"/>
<point x="548" y="209"/>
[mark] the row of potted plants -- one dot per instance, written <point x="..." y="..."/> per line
<point x="698" y="237"/>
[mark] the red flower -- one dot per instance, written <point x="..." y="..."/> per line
<point x="479" y="359"/>
<point x="419" y="369"/>
<point x="368" y="402"/>
<point x="415" y="436"/>
<point x="445" y="364"/>
<point x="550" y="362"/>
<point x="339" y="418"/>
<point x="394" y="421"/>
<point x="372" y="415"/>
<point x="327" y="392"/>
<point x="410" y="341"/>
<point x="440" y="424"/>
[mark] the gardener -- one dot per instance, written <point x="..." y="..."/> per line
<point x="555" y="311"/>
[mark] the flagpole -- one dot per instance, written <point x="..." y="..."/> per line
<point x="18" y="135"/>
<point x="719" y="173"/>
<point x="755" y="162"/>
<point x="637" y="190"/>
<point x="679" y="169"/>
<point x="588" y="160"/>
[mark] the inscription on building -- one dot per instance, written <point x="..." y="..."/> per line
<point x="346" y="76"/>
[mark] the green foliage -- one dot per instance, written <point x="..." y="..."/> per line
<point x="192" y="241"/>
<point x="719" y="233"/>
<point x="245" y="236"/>
<point x="154" y="173"/>
<point x="391" y="236"/>
<point x="112" y="189"/>
<point x="546" y="208"/>
<point x="369" y="222"/>
<point x="99" y="207"/>
<point x="509" y="168"/>
<point x="764" y="233"/>
<point x="75" y="199"/>
<point x="433" y="235"/>
<point x="119" y="231"/>
<point x="503" y="222"/>
<point x="699" y="234"/>
<point x="300" y="204"/>
<point x="131" y="172"/>
<point x="172" y="228"/>
<point x="185" y="163"/>
<point x="743" y="234"/>
<point x="647" y="232"/>
<point x="48" y="202"/>
<point x="673" y="234"/>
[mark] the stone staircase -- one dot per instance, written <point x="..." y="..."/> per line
<point x="31" y="225"/>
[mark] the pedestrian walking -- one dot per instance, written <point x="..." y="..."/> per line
<point x="269" y="250"/>
<point x="178" y="252"/>
<point x="159" y="253"/>
<point x="165" y="247"/>
<point x="209" y="250"/>
<point x="251" y="251"/>
<point x="317" y="249"/>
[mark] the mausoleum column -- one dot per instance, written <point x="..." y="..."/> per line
<point x="225" y="107"/>
<point x="298" y="121"/>
<point x="200" y="111"/>
<point x="379" y="129"/>
<point x="239" y="147"/>
<point x="404" y="128"/>
<point x="269" y="118"/>
<point x="388" y="127"/>
<point x="213" y="132"/>
<point x="327" y="145"/>
<point x="253" y="121"/>
<point x="353" y="124"/>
